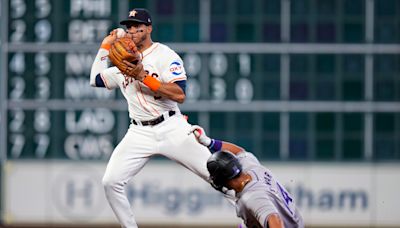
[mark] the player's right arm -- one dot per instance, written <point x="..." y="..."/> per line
<point x="100" y="62"/>
<point x="235" y="149"/>
<point x="213" y="144"/>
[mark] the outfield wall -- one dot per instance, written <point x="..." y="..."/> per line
<point x="62" y="192"/>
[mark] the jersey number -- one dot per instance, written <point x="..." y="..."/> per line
<point x="286" y="197"/>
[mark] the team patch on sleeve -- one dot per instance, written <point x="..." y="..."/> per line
<point x="176" y="68"/>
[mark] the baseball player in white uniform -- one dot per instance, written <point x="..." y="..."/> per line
<point x="261" y="201"/>
<point x="157" y="125"/>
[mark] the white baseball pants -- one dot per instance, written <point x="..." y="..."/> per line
<point x="169" y="138"/>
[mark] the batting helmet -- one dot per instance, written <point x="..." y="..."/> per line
<point x="223" y="166"/>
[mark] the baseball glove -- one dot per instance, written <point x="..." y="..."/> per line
<point x="135" y="71"/>
<point x="123" y="49"/>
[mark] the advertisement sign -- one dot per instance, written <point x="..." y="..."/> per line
<point x="166" y="193"/>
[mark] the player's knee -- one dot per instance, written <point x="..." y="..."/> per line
<point x="106" y="181"/>
<point x="110" y="183"/>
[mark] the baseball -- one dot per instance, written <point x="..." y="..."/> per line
<point x="120" y="33"/>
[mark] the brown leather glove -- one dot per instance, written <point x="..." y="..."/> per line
<point x="123" y="49"/>
<point x="135" y="71"/>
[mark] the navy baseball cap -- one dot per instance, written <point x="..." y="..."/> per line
<point x="138" y="15"/>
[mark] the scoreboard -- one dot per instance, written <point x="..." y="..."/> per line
<point x="277" y="77"/>
<point x="51" y="111"/>
<point x="43" y="86"/>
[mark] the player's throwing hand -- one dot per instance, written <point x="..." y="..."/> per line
<point x="108" y="40"/>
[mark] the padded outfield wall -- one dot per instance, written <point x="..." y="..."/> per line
<point x="70" y="193"/>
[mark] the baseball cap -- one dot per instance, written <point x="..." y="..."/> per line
<point x="138" y="15"/>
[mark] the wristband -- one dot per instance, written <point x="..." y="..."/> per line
<point x="152" y="83"/>
<point x="106" y="46"/>
<point x="215" y="145"/>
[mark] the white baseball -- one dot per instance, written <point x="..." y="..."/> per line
<point x="120" y="33"/>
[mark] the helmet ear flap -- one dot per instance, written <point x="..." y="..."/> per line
<point x="215" y="172"/>
<point x="217" y="187"/>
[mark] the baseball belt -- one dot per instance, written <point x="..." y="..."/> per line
<point x="153" y="121"/>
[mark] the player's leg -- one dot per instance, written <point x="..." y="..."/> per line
<point x="183" y="148"/>
<point x="128" y="159"/>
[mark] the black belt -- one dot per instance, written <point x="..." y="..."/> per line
<point x="153" y="121"/>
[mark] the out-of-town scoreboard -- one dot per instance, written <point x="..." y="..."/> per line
<point x="287" y="80"/>
<point x="50" y="110"/>
<point x="48" y="49"/>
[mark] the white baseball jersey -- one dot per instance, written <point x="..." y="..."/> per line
<point x="160" y="62"/>
<point x="169" y="138"/>
<point x="264" y="196"/>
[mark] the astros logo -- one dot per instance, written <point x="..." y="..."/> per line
<point x="176" y="68"/>
<point x="132" y="13"/>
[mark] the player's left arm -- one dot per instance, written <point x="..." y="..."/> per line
<point x="172" y="90"/>
<point x="274" y="221"/>
<point x="172" y="87"/>
<point x="172" y="77"/>
<point x="263" y="210"/>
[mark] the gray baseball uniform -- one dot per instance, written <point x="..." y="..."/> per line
<point x="264" y="196"/>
